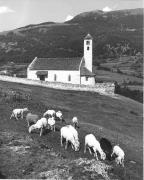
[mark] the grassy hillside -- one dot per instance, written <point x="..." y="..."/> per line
<point x="119" y="119"/>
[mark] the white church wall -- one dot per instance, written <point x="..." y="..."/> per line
<point x="88" y="80"/>
<point x="72" y="77"/>
<point x="64" y="76"/>
<point x="31" y="74"/>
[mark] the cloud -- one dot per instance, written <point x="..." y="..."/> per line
<point x="106" y="9"/>
<point x="69" y="17"/>
<point x="131" y="0"/>
<point x="5" y="9"/>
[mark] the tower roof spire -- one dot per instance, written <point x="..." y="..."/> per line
<point x="88" y="36"/>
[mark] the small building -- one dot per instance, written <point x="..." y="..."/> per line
<point x="76" y="70"/>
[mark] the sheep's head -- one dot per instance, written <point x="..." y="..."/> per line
<point x="75" y="119"/>
<point x="61" y="117"/>
<point x="103" y="156"/>
<point x="118" y="160"/>
<point x="76" y="145"/>
<point x="25" y="109"/>
<point x="31" y="128"/>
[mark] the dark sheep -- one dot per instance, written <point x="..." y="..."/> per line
<point x="31" y="118"/>
<point x="106" y="147"/>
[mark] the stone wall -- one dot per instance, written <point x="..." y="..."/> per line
<point x="102" y="88"/>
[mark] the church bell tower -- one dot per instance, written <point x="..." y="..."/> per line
<point x="88" y="40"/>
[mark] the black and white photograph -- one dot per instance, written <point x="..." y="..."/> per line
<point x="71" y="89"/>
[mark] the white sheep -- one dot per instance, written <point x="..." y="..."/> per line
<point x="31" y="118"/>
<point x="92" y="142"/>
<point x="75" y="122"/>
<point x="59" y="115"/>
<point x="51" y="123"/>
<point x="16" y="113"/>
<point x="70" y="134"/>
<point x="40" y="124"/>
<point x="49" y="113"/>
<point x="74" y="131"/>
<point x="120" y="155"/>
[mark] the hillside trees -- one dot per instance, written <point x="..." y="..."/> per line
<point x="119" y="49"/>
<point x="137" y="95"/>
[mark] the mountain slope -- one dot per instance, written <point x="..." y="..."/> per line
<point x="51" y="39"/>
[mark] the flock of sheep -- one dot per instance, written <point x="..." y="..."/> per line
<point x="70" y="134"/>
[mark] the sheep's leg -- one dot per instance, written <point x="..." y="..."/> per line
<point x="122" y="162"/>
<point x="41" y="131"/>
<point x="72" y="146"/>
<point x="16" y="117"/>
<point x="66" y="144"/>
<point x="116" y="160"/>
<point x="28" y="123"/>
<point x="22" y="115"/>
<point x="61" y="141"/>
<point x="95" y="154"/>
<point x="85" y="149"/>
<point x="12" y="115"/>
<point x="89" y="150"/>
<point x="54" y="128"/>
<point x="75" y="125"/>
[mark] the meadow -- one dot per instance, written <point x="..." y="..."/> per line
<point x="25" y="155"/>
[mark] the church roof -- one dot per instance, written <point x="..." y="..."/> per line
<point x="88" y="36"/>
<point x="85" y="72"/>
<point x="55" y="64"/>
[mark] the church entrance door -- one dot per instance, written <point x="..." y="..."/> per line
<point x="42" y="77"/>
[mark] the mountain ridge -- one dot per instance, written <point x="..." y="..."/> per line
<point x="52" y="39"/>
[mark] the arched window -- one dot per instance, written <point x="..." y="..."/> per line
<point x="55" y="77"/>
<point x="88" y="48"/>
<point x="69" y="78"/>
<point x="86" y="78"/>
<point x="87" y="42"/>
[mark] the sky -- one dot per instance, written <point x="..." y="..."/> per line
<point x="18" y="13"/>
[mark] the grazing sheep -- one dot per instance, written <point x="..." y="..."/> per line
<point x="51" y="123"/>
<point x="31" y="118"/>
<point x="75" y="122"/>
<point x="92" y="142"/>
<point x="49" y="113"/>
<point x="59" y="116"/>
<point x="16" y="113"/>
<point x="70" y="134"/>
<point x="120" y="155"/>
<point x="75" y="133"/>
<point x="40" y="124"/>
<point x="106" y="147"/>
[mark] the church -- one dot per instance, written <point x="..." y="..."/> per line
<point x="77" y="70"/>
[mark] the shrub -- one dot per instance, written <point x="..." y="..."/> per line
<point x="119" y="71"/>
<point x="125" y="91"/>
<point x="104" y="68"/>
